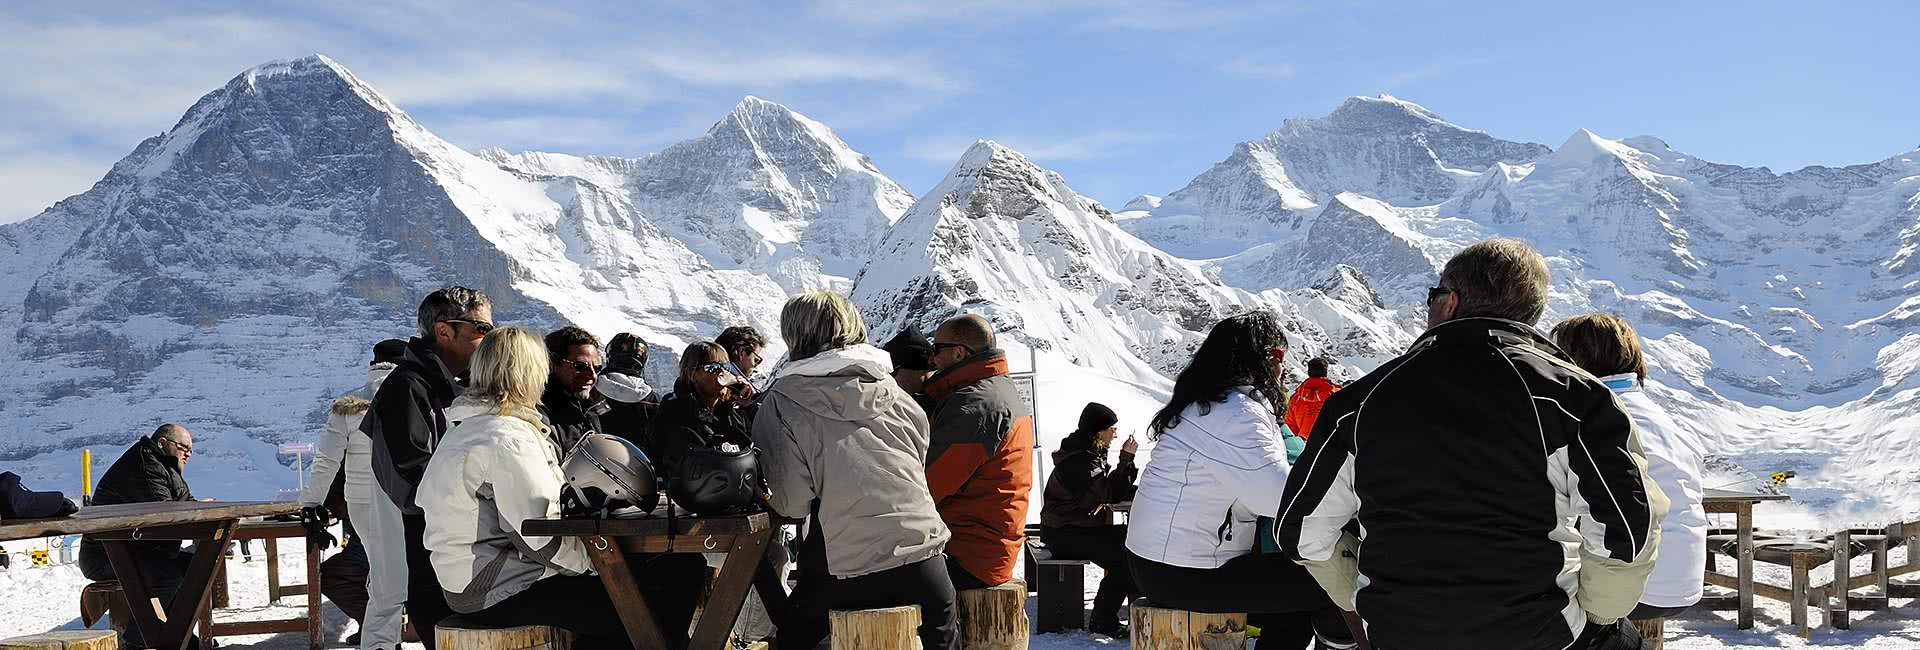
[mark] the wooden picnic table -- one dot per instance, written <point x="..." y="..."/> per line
<point x="609" y="541"/>
<point x="1740" y="505"/>
<point x="272" y="532"/>
<point x="209" y="524"/>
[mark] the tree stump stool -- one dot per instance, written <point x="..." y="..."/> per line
<point x="65" y="640"/>
<point x="458" y="634"/>
<point x="893" y="628"/>
<point x="994" y="618"/>
<point x="1153" y="628"/>
<point x="1654" y="632"/>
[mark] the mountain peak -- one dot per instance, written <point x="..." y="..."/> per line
<point x="1585" y="147"/>
<point x="1383" y="106"/>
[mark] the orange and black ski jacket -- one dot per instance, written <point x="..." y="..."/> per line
<point x="980" y="464"/>
<point x="1304" y="407"/>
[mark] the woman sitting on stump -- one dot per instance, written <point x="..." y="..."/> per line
<point x="1075" y="521"/>
<point x="1605" y="345"/>
<point x="497" y="468"/>
<point x="1218" y="467"/>
<point x="702" y="411"/>
<point x="843" y="444"/>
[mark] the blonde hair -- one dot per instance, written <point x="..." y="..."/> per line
<point x="819" y="321"/>
<point x="1502" y="278"/>
<point x="509" y="369"/>
<point x="1602" y="344"/>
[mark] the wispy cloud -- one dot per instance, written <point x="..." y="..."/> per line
<point x="1259" y="67"/>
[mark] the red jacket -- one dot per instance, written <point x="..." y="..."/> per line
<point x="980" y="464"/>
<point x="1304" y="406"/>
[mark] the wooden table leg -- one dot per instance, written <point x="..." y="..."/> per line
<point x="611" y="561"/>
<point x="273" y="571"/>
<point x="220" y="592"/>
<point x="1744" y="519"/>
<point x="313" y="596"/>
<point x="1842" y="579"/>
<point x="133" y="586"/>
<point x="729" y="591"/>
<point x="1801" y="599"/>
<point x="196" y="588"/>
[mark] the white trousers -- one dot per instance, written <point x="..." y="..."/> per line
<point x="380" y="529"/>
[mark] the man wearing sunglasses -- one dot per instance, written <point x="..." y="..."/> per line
<point x="980" y="462"/>
<point x="405" y="422"/>
<point x="572" y="405"/>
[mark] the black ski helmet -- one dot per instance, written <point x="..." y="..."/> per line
<point x="716" y="482"/>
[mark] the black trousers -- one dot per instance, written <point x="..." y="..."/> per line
<point x="1279" y="597"/>
<point x="962" y="580"/>
<point x="924" y="583"/>
<point x="1105" y="546"/>
<point x="163" y="565"/>
<point x="671" y="583"/>
<point x="1619" y="635"/>
<point x="343" y="580"/>
<point x="426" y="602"/>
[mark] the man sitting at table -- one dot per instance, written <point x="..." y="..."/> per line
<point x="150" y="471"/>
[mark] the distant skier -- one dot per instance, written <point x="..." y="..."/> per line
<point x="1303" y="408"/>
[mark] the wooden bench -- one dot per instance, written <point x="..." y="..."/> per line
<point x="104" y="599"/>
<point x="994" y="618"/>
<point x="892" y="628"/>
<point x="65" y="640"/>
<point x="1062" y="585"/>
<point x="456" y="633"/>
<point x="1153" y="628"/>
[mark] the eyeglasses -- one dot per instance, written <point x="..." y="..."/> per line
<point x="942" y="346"/>
<point x="1434" y="293"/>
<point x="713" y="368"/>
<point x="177" y="444"/>
<point x="480" y="326"/>
<point x="578" y="366"/>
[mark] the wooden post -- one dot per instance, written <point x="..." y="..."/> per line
<point x="1880" y="576"/>
<point x="313" y="595"/>
<point x="273" y="571"/>
<point x="1153" y="628"/>
<point x="893" y="628"/>
<point x="1654" y="631"/>
<point x="994" y="618"/>
<point x="1743" y="515"/>
<point x="1842" y="579"/>
<point x="1800" y="596"/>
<point x="1063" y="596"/>
<point x="64" y="640"/>
<point x="525" y="637"/>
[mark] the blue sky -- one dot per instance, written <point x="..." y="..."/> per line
<point x="1122" y="97"/>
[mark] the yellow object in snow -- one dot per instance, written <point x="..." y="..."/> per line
<point x="40" y="557"/>
<point x="1780" y="478"/>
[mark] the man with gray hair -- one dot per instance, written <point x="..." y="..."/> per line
<point x="1504" y="501"/>
<point x="405" y="422"/>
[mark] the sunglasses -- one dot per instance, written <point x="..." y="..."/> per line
<point x="1434" y="293"/>
<point x="578" y="366"/>
<point x="1278" y="354"/>
<point x="942" y="346"/>
<point x="714" y="368"/>
<point x="480" y="326"/>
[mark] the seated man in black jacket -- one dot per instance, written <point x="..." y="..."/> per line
<point x="571" y="404"/>
<point x="148" y="472"/>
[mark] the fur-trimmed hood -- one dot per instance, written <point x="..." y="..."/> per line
<point x="356" y="401"/>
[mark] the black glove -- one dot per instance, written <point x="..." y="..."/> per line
<point x="315" y="519"/>
<point x="626" y="354"/>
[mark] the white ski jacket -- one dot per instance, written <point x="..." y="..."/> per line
<point x="343" y="446"/>
<point x="1673" y="459"/>
<point x="1207" y="481"/>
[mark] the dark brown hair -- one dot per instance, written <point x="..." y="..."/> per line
<point x="1602" y="344"/>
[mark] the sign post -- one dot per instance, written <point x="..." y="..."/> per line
<point x="86" y="477"/>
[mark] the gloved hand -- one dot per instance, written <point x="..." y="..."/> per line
<point x="315" y="520"/>
<point x="626" y="354"/>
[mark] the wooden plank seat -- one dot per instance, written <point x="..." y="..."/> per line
<point x="1062" y="587"/>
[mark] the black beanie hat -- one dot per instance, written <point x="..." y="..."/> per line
<point x="910" y="350"/>
<point x="1096" y="417"/>
<point x="389" y="351"/>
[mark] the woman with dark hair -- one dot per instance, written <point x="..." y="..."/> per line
<point x="1218" y="465"/>
<point x="1075" y="520"/>
<point x="701" y="411"/>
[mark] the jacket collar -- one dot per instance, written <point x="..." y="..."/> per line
<point x="1476" y="326"/>
<point x="420" y="351"/>
<point x="555" y="397"/>
<point x="971" y="370"/>
<point x="866" y="360"/>
<point x="1621" y="384"/>
<point x="622" y="387"/>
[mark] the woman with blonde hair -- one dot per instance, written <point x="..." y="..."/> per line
<point x="843" y="443"/>
<point x="496" y="468"/>
<point x="1606" y="346"/>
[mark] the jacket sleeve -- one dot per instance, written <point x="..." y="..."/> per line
<point x="523" y="488"/>
<point x="1620" y="510"/>
<point x="1320" y="500"/>
<point x="961" y="443"/>
<point x="326" y="461"/>
<point x="1262" y="471"/>
<point x="1120" y="481"/>
<point x="783" y="463"/>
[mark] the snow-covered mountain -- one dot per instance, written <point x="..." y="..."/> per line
<point x="1005" y="238"/>
<point x="765" y="190"/>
